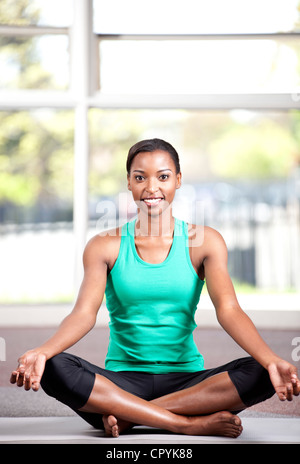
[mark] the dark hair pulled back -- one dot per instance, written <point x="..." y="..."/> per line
<point x="151" y="145"/>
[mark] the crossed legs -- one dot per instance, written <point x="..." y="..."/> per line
<point x="202" y="409"/>
<point x="205" y="405"/>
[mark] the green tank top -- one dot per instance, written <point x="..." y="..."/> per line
<point x="152" y="308"/>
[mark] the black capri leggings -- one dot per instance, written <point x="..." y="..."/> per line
<point x="70" y="380"/>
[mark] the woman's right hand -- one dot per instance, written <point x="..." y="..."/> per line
<point x="30" y="370"/>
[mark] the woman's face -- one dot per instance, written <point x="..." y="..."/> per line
<point x="153" y="181"/>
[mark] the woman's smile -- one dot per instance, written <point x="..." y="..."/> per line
<point x="152" y="202"/>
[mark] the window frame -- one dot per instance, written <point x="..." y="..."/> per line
<point x="83" y="95"/>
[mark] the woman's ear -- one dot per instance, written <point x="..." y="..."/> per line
<point x="128" y="182"/>
<point x="178" y="180"/>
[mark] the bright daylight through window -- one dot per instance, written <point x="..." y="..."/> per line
<point x="79" y="88"/>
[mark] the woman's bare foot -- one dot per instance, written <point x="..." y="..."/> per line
<point x="221" y="423"/>
<point x="113" y="426"/>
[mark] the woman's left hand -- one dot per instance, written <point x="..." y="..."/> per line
<point x="285" y="379"/>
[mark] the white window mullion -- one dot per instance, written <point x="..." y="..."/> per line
<point x="80" y="89"/>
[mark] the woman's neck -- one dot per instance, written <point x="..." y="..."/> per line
<point x="155" y="226"/>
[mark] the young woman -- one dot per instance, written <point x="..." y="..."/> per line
<point x="152" y="271"/>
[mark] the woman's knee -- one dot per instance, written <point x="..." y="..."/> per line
<point x="66" y="379"/>
<point x="57" y="372"/>
<point x="252" y="381"/>
<point x="258" y="385"/>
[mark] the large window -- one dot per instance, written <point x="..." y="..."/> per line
<point x="219" y="80"/>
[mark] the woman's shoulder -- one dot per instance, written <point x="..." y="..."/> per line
<point x="202" y="230"/>
<point x="105" y="244"/>
<point x="204" y="236"/>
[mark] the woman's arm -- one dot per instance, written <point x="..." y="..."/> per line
<point x="76" y="325"/>
<point x="236" y="322"/>
<point x="83" y="316"/>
